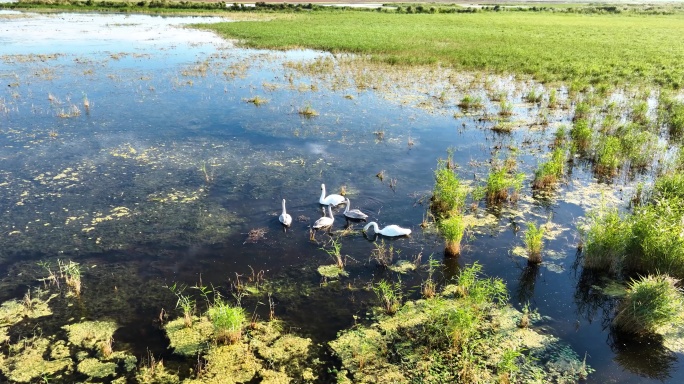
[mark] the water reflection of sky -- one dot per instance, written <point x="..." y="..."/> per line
<point x="172" y="99"/>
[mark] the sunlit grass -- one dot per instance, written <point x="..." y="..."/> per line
<point x="651" y="302"/>
<point x="591" y="49"/>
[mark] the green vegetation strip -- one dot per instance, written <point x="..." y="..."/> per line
<point x="549" y="46"/>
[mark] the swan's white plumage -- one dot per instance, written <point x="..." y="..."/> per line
<point x="332" y="199"/>
<point x="353" y="213"/>
<point x="325" y="221"/>
<point x="390" y="230"/>
<point x="284" y="217"/>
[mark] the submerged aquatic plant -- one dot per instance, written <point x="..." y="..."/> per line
<point x="651" y="302"/>
<point x="383" y="253"/>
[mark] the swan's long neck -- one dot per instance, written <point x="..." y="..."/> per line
<point x="330" y="212"/>
<point x="284" y="212"/>
<point x="322" y="191"/>
<point x="372" y="224"/>
<point x="348" y="203"/>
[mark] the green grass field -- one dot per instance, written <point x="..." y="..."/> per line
<point x="595" y="48"/>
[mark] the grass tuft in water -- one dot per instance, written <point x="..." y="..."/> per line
<point x="604" y="239"/>
<point x="452" y="229"/>
<point x="651" y="302"/>
<point x="389" y="294"/>
<point x="534" y="242"/>
<point x="449" y="194"/>
<point x="581" y="136"/>
<point x="548" y="173"/>
<point x="228" y="321"/>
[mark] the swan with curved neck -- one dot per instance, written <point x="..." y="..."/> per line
<point x="353" y="213"/>
<point x="390" y="230"/>
<point x="325" y="221"/>
<point x="332" y="199"/>
<point x="284" y="217"/>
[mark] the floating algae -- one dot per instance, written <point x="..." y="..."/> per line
<point x="26" y="362"/>
<point x="189" y="341"/>
<point x="418" y="338"/>
<point x="332" y="271"/>
<point x="90" y="334"/>
<point x="95" y="368"/>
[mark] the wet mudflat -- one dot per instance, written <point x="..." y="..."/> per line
<point x="153" y="155"/>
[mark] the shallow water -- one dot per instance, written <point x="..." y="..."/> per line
<point x="164" y="173"/>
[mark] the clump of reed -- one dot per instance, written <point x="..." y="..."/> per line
<point x="449" y="194"/>
<point x="185" y="303"/>
<point x="581" y="135"/>
<point x="452" y="229"/>
<point x="502" y="185"/>
<point x="657" y="244"/>
<point x="469" y="102"/>
<point x="389" y="294"/>
<point x="651" y="302"/>
<point x="505" y="107"/>
<point x="604" y="240"/>
<point x="548" y="173"/>
<point x="534" y="97"/>
<point x="71" y="273"/>
<point x="608" y="155"/>
<point x="671" y="114"/>
<point x="534" y="243"/>
<point x="228" y="321"/>
<point x="383" y="254"/>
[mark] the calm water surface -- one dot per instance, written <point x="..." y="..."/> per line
<point x="127" y="144"/>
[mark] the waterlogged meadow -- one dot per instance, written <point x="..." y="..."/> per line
<point x="144" y="167"/>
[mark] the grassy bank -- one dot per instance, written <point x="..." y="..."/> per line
<point x="549" y="46"/>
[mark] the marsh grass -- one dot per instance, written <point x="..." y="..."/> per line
<point x="551" y="171"/>
<point x="505" y="107"/>
<point x="449" y="195"/>
<point x="502" y="185"/>
<point x="389" y="295"/>
<point x="470" y="102"/>
<point x="671" y="114"/>
<point x="651" y="302"/>
<point x="502" y="42"/>
<point x="452" y="229"/>
<point x="383" y="253"/>
<point x="534" y="243"/>
<point x="71" y="273"/>
<point x="185" y="303"/>
<point x="335" y="251"/>
<point x="228" y="321"/>
<point x="581" y="135"/>
<point x="604" y="238"/>
<point x="608" y="155"/>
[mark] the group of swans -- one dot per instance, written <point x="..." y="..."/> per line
<point x="328" y="219"/>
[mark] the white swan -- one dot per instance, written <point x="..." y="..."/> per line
<point x="325" y="221"/>
<point x="390" y="230"/>
<point x="353" y="213"/>
<point x="285" y="218"/>
<point x="332" y="199"/>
